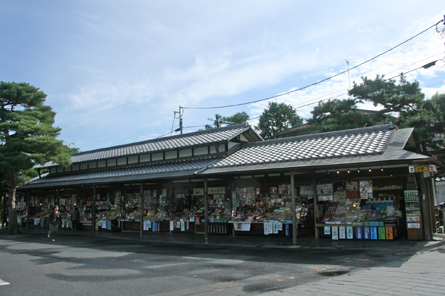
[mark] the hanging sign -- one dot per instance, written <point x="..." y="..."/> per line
<point x="334" y="232"/>
<point x="349" y="232"/>
<point x="327" y="230"/>
<point x="389" y="232"/>
<point x="210" y="190"/>
<point x="359" y="232"/>
<point x="217" y="190"/>
<point x="422" y="168"/>
<point x="374" y="234"/>
<point x="198" y="191"/>
<point x="366" y="232"/>
<point x="266" y="227"/>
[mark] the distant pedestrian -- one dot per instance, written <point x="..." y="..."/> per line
<point x="54" y="220"/>
<point x="75" y="217"/>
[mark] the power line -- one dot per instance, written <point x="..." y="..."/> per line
<point x="318" y="100"/>
<point x="426" y="66"/>
<point x="318" y="82"/>
<point x="341" y="91"/>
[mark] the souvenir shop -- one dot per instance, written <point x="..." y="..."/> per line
<point x="378" y="196"/>
<point x="379" y="204"/>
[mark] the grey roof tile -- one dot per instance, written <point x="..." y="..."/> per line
<point x="149" y="171"/>
<point x="394" y="152"/>
<point x="363" y="141"/>
<point x="206" y="137"/>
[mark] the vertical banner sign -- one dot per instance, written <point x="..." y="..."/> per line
<point x="275" y="227"/>
<point x="373" y="232"/>
<point x="359" y="232"/>
<point x="366" y="232"/>
<point x="287" y="229"/>
<point x="389" y="232"/>
<point x="266" y="227"/>
<point x="382" y="232"/>
<point x="334" y="232"/>
<point x="342" y="232"/>
<point x="172" y="225"/>
<point x="327" y="230"/>
<point x="349" y="232"/>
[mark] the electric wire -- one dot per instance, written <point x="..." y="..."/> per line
<point x="318" y="100"/>
<point x="320" y="81"/>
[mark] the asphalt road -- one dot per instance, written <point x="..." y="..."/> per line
<point x="32" y="264"/>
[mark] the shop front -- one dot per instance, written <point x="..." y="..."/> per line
<point x="355" y="184"/>
<point x="361" y="184"/>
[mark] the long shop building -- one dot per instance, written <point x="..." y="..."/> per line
<point x="362" y="183"/>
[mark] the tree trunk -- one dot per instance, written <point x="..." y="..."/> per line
<point x="12" y="211"/>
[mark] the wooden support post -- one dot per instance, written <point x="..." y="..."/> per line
<point x="314" y="189"/>
<point x="93" y="211"/>
<point x="294" y="215"/>
<point x="142" y="211"/>
<point x="206" y="211"/>
<point x="27" y="210"/>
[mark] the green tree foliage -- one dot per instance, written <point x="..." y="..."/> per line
<point x="390" y="96"/>
<point x="436" y="107"/>
<point x="27" y="138"/>
<point x="238" y="118"/>
<point x="217" y="122"/>
<point x="220" y="121"/>
<point x="276" y="118"/>
<point x="338" y="115"/>
<point x="401" y="103"/>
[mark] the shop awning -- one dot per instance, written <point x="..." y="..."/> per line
<point x="137" y="173"/>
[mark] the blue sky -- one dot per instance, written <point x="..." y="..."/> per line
<point x="115" y="71"/>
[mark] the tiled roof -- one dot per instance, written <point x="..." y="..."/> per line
<point x="131" y="173"/>
<point x="200" y="138"/>
<point x="338" y="144"/>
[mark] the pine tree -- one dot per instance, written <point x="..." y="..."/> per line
<point x="27" y="137"/>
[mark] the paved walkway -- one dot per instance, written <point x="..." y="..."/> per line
<point x="421" y="274"/>
<point x="276" y="241"/>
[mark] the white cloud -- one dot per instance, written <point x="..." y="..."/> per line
<point x="117" y="72"/>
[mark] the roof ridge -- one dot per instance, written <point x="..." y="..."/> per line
<point x="323" y="135"/>
<point x="229" y="127"/>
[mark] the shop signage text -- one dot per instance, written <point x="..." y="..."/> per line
<point x="422" y="168"/>
<point x="211" y="190"/>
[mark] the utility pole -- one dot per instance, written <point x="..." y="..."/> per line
<point x="180" y="119"/>
<point x="347" y="63"/>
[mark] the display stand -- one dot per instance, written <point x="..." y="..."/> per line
<point x="413" y="215"/>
